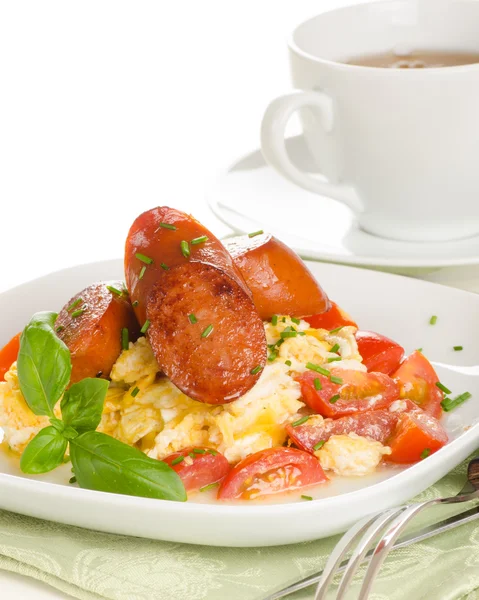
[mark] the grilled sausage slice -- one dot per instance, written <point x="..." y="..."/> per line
<point x="91" y="325"/>
<point x="195" y="307"/>
<point x="279" y="280"/>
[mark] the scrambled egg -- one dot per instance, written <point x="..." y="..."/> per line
<point x="159" y="419"/>
<point x="18" y="422"/>
<point x="351" y="455"/>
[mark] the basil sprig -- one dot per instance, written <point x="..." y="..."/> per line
<point x="99" y="461"/>
<point x="43" y="364"/>
<point x="45" y="452"/>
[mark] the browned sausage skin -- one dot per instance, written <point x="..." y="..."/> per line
<point x="196" y="309"/>
<point x="91" y="325"/>
<point x="279" y="280"/>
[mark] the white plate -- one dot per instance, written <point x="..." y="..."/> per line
<point x="396" y="306"/>
<point x="251" y="195"/>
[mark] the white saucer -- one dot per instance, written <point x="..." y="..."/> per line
<point x="251" y="195"/>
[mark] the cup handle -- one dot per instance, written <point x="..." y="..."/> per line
<point x="273" y="145"/>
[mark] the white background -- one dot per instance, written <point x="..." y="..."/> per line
<point x="110" y="108"/>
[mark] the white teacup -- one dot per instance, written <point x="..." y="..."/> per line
<point x="398" y="146"/>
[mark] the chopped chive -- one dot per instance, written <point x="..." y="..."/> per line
<point x="60" y="328"/>
<point x="72" y="479"/>
<point x="146" y="324"/>
<point x="296" y="321"/>
<point x="443" y="388"/>
<point x="77" y="313"/>
<point x="191" y="454"/>
<point x="288" y="334"/>
<point x="114" y="290"/>
<point x="335" y="348"/>
<point x="255" y="233"/>
<point x="306" y="497"/>
<point x="317" y="384"/>
<point x="283" y="320"/>
<point x="336" y="380"/>
<point x="185" y="248"/>
<point x="192" y="319"/>
<point x="142" y="272"/>
<point x="199" y="240"/>
<point x="199" y="451"/>
<point x="164" y="267"/>
<point x="425" y="453"/>
<point x="449" y="404"/>
<point x="334" y="398"/>
<point x="337" y="329"/>
<point x="273" y="356"/>
<point x="318" y="369"/>
<point x="458" y="348"/>
<point x="125" y="338"/>
<point x="279" y="342"/>
<point x="319" y="445"/>
<point x="166" y="226"/>
<point x="74" y="303"/>
<point x="300" y="421"/>
<point x="146" y="259"/>
<point x="213" y="452"/>
<point x="274" y="320"/>
<point x="256" y="370"/>
<point x="210" y="486"/>
<point x="287" y="362"/>
<point x="135" y="303"/>
<point x="207" y="331"/>
<point x="334" y="359"/>
<point x="177" y="460"/>
<point x="135" y="391"/>
<point x="419" y="350"/>
<point x="433" y="320"/>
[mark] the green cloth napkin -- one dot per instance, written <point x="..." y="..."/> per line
<point x="94" y="566"/>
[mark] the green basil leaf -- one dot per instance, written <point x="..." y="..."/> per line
<point x="45" y="452"/>
<point x="82" y="404"/>
<point x="102" y="463"/>
<point x="43" y="364"/>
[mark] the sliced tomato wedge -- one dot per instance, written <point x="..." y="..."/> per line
<point x="198" y="467"/>
<point x="8" y="355"/>
<point x="271" y="471"/>
<point x="417" y="436"/>
<point x="417" y="381"/>
<point x="331" y="319"/>
<point x="358" y="392"/>
<point x="376" y="424"/>
<point x="379" y="353"/>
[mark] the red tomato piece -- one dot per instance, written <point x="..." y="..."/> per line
<point x="198" y="467"/>
<point x="331" y="319"/>
<point x="376" y="424"/>
<point x="379" y="353"/>
<point x="417" y="380"/>
<point x="8" y="355"/>
<point x="358" y="392"/>
<point x="417" y="436"/>
<point x="269" y="472"/>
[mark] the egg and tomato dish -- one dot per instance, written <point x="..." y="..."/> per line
<point x="271" y="404"/>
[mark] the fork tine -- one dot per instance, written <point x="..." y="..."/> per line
<point x="338" y="553"/>
<point x="365" y="542"/>
<point x="385" y="544"/>
<point x="340" y="550"/>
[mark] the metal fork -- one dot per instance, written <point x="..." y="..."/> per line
<point x="391" y="522"/>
